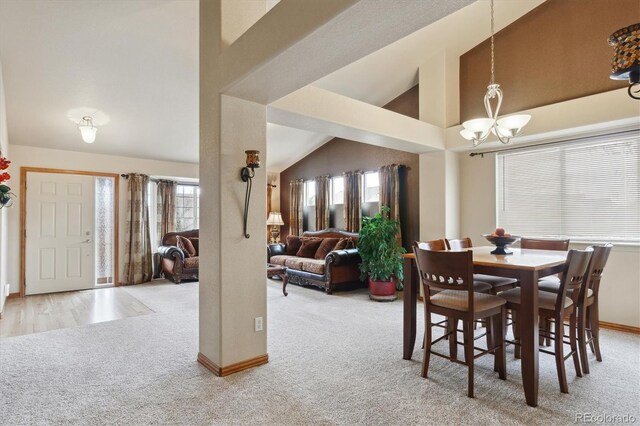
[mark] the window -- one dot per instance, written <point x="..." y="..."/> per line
<point x="337" y="190"/>
<point x="187" y="207"/>
<point x="587" y="190"/>
<point x="310" y="193"/>
<point x="371" y="187"/>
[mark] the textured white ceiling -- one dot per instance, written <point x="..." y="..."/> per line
<point x="135" y="62"/>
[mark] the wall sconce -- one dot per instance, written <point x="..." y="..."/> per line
<point x="246" y="174"/>
<point x="275" y="221"/>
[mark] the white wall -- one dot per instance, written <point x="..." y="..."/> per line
<point x="273" y="178"/>
<point x="26" y="156"/>
<point x="4" y="236"/>
<point x="620" y="289"/>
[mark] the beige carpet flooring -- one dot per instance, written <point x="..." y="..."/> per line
<point x="334" y="360"/>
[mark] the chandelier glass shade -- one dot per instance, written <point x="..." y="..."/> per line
<point x="479" y="129"/>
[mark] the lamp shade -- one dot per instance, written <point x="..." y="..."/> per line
<point x="275" y="219"/>
<point x="479" y="125"/>
<point x="514" y="122"/>
<point x="88" y="133"/>
<point x="87" y="130"/>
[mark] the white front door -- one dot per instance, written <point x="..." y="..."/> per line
<point x="60" y="253"/>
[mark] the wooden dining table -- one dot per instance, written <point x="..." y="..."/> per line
<point x="526" y="265"/>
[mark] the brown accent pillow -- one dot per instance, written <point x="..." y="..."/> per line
<point x="293" y="245"/>
<point x="185" y="245"/>
<point x="344" y="243"/>
<point x="309" y="247"/>
<point x="326" y="246"/>
<point x="195" y="241"/>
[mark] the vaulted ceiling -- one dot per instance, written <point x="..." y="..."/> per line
<point x="133" y="65"/>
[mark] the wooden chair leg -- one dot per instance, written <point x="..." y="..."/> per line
<point x="427" y="344"/>
<point x="549" y="330"/>
<point x="573" y="328"/>
<point x="468" y="353"/>
<point x="516" y="333"/>
<point x="500" y="362"/>
<point x="489" y="325"/>
<point x="452" y="326"/>
<point x="582" y="340"/>
<point x="594" y="325"/>
<point x="542" y="327"/>
<point x="559" y="352"/>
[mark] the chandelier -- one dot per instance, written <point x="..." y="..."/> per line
<point x="478" y="129"/>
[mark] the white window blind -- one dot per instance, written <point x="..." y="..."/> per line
<point x="587" y="190"/>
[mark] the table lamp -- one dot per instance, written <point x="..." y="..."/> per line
<point x="275" y="220"/>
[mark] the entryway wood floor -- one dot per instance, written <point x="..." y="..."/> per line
<point x="44" y="312"/>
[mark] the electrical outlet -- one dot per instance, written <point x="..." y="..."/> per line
<point x="258" y="324"/>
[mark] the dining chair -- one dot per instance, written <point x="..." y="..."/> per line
<point x="497" y="284"/>
<point x="479" y="286"/>
<point x="442" y="244"/>
<point x="558" y="244"/>
<point x="557" y="307"/>
<point x="588" y="316"/>
<point x="451" y="273"/>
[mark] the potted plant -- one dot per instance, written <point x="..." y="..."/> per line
<point x="381" y="256"/>
<point x="6" y="196"/>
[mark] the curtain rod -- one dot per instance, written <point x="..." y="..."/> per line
<point x="126" y="176"/>
<point x="515" y="148"/>
<point x="402" y="166"/>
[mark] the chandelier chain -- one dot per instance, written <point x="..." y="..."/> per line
<point x="493" y="81"/>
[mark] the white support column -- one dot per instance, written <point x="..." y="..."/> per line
<point x="439" y="171"/>
<point x="440" y="89"/>
<point x="232" y="287"/>
<point x="439" y="195"/>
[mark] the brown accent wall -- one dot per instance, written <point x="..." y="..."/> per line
<point x="341" y="155"/>
<point x="554" y="53"/>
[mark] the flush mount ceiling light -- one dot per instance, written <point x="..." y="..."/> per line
<point x="626" y="59"/>
<point x="87" y="129"/>
<point x="478" y="129"/>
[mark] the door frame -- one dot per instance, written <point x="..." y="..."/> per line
<point x="23" y="217"/>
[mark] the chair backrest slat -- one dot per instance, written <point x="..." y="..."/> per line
<point x="544" y="244"/>
<point x="574" y="275"/>
<point x="445" y="270"/>
<point x="459" y="244"/>
<point x="431" y="245"/>
<point x="595" y="270"/>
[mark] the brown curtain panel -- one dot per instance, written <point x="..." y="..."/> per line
<point x="296" y="215"/>
<point x="352" y="200"/>
<point x="137" y="253"/>
<point x="390" y="192"/>
<point x="322" y="202"/>
<point x="165" y="208"/>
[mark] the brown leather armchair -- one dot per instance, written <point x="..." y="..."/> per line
<point x="176" y="263"/>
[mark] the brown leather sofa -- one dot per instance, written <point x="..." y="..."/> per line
<point x="176" y="262"/>
<point x="337" y="270"/>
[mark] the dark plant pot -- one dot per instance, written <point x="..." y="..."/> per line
<point x="383" y="291"/>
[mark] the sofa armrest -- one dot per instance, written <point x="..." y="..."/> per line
<point x="275" y="249"/>
<point x="343" y="257"/>
<point x="171" y="252"/>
